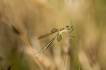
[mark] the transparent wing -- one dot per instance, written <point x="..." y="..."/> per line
<point x="59" y="38"/>
<point x="54" y="30"/>
<point x="46" y="46"/>
<point x="43" y="36"/>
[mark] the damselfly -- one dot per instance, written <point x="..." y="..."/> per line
<point x="58" y="36"/>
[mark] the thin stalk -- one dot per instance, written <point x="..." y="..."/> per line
<point x="73" y="33"/>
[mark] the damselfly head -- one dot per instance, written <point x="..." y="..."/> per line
<point x="67" y="27"/>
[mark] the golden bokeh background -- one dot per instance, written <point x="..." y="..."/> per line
<point x="33" y="18"/>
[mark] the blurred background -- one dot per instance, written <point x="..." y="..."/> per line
<point x="23" y="21"/>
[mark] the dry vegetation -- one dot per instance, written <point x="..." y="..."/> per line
<point x="23" y="21"/>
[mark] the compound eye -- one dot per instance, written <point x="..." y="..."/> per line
<point x="67" y="26"/>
